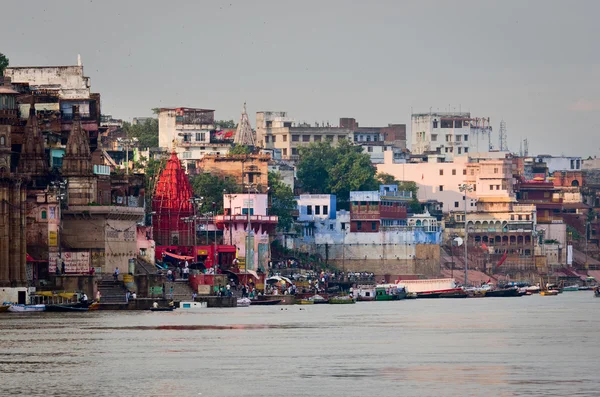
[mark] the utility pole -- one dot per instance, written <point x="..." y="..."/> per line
<point x="466" y="188"/>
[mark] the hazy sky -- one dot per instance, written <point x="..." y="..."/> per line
<point x="535" y="64"/>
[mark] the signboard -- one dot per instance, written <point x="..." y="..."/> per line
<point x="202" y="252"/>
<point x="75" y="262"/>
<point x="52" y="239"/>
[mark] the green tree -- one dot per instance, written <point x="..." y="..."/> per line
<point x="282" y="201"/>
<point x="212" y="188"/>
<point x="405" y="186"/>
<point x="225" y="124"/>
<point x="316" y="160"/>
<point x="240" y="149"/>
<point x="3" y="63"/>
<point x="146" y="132"/>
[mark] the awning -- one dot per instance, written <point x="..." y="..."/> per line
<point x="179" y="257"/>
<point x="29" y="258"/>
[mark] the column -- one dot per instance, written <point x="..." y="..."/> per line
<point x="4" y="236"/>
<point x="22" y="227"/>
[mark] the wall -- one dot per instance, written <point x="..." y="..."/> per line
<point x="166" y="128"/>
<point x="12" y="294"/>
<point x="314" y="200"/>
<point x="241" y="202"/>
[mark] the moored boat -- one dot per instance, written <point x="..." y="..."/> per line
<point x="341" y="300"/>
<point x="191" y="306"/>
<point x="26" y="308"/>
<point x="318" y="299"/>
<point x="549" y="292"/>
<point x="455" y="294"/>
<point x="65" y="308"/>
<point x="500" y="293"/>
<point x="266" y="302"/>
<point x="305" y="302"/>
<point x="162" y="309"/>
<point x="571" y="288"/>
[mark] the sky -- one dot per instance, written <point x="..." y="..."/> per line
<point x="534" y="64"/>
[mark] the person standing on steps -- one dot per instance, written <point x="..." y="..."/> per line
<point x="116" y="274"/>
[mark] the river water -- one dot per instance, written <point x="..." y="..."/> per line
<point x="533" y="346"/>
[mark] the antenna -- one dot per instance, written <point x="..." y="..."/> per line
<point x="502" y="136"/>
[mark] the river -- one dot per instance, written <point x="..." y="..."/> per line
<point x="533" y="346"/>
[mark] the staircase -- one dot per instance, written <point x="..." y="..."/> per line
<point x="112" y="291"/>
<point x="182" y="291"/>
<point x="143" y="267"/>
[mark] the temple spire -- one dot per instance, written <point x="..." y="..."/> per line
<point x="244" y="134"/>
<point x="32" y="161"/>
<point x="78" y="159"/>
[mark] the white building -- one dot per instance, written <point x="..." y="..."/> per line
<point x="191" y="131"/>
<point x="449" y="133"/>
<point x="560" y="163"/>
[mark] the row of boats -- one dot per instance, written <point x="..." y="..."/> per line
<point x="66" y="307"/>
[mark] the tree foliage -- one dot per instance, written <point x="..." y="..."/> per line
<point x="225" y="124"/>
<point x="212" y="187"/>
<point x="282" y="201"/>
<point x="146" y="132"/>
<point x="240" y="149"/>
<point x="3" y="63"/>
<point x="337" y="170"/>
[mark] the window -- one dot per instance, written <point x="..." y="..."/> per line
<point x="457" y="139"/>
<point x="284" y="138"/>
<point x="512" y="217"/>
<point x="370" y="149"/>
<point x="44" y="214"/>
<point x="472" y="171"/>
<point x="2" y="140"/>
<point x="441" y="188"/>
<point x="491" y="187"/>
<point x="441" y="172"/>
<point x="200" y="136"/>
<point x="274" y="138"/>
<point x="294" y="151"/>
<point x="359" y="225"/>
<point x="287" y="124"/>
<point x="295" y="138"/>
<point x="373" y="226"/>
<point x="285" y="152"/>
<point x="572" y="164"/>
<point x="459" y="150"/>
<point x="434" y="137"/>
<point x="331" y="226"/>
<point x="266" y="139"/>
<point x="435" y="124"/>
<point x="456" y="204"/>
<point x="466" y="138"/>
<point x="309" y="210"/>
<point x="305" y="138"/>
<point x="317" y="138"/>
<point x="269" y="124"/>
<point x="446" y="123"/>
<point x="497" y="187"/>
<point x="520" y="217"/>
<point x="343" y="226"/>
<point x="369" y="139"/>
<point x="457" y="123"/>
<point x="465" y="171"/>
<point x="495" y="170"/>
<point x="448" y="138"/>
<point x="526" y="217"/>
<point x="453" y="172"/>
<point x="329" y="138"/>
<point x="317" y="210"/>
<point x="245" y="211"/>
<point x="187" y="155"/>
<point x="466" y="150"/>
<point x="325" y="209"/>
<point x="187" y="137"/>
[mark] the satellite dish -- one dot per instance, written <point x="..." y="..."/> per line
<point x="458" y="241"/>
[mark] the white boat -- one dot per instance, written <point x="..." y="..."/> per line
<point x="26" y="308"/>
<point x="193" y="305"/>
<point x="243" y="302"/>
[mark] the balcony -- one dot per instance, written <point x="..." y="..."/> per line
<point x="244" y="219"/>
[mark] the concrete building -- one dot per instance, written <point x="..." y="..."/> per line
<point x="191" y="132"/>
<point x="250" y="169"/>
<point x="277" y="131"/>
<point x="370" y="211"/>
<point x="247" y="225"/>
<point x="440" y="181"/>
<point x="449" y="133"/>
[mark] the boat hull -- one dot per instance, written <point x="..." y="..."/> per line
<point x="162" y="309"/>
<point x="269" y="302"/>
<point x="502" y="293"/>
<point x="549" y="293"/>
<point x="4" y="308"/>
<point x="26" y="308"/>
<point x="65" y="308"/>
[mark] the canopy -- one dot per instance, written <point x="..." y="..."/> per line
<point x="277" y="279"/>
<point x="179" y="257"/>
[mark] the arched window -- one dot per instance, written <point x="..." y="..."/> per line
<point x="574" y="183"/>
<point x="2" y="140"/>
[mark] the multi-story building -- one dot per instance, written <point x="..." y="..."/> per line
<point x="252" y="169"/>
<point x="191" y="132"/>
<point x="449" y="133"/>
<point x="277" y="131"/>
<point x="372" y="210"/>
<point x="489" y="174"/>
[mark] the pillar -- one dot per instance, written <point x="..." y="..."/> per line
<point x="23" y="235"/>
<point x="14" y="233"/>
<point x="4" y="236"/>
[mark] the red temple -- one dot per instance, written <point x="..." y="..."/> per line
<point x="171" y="204"/>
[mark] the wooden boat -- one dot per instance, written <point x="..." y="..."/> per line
<point x="26" y="308"/>
<point x="162" y="309"/>
<point x="243" y="302"/>
<point x="341" y="300"/>
<point x="318" y="300"/>
<point x="411" y="295"/>
<point x="4" y="308"/>
<point x="267" y="302"/>
<point x="305" y="302"/>
<point x="571" y="288"/>
<point x="65" y="308"/>
<point x="437" y="293"/>
<point x="456" y="294"/>
<point x="501" y="293"/>
<point x="549" y="292"/>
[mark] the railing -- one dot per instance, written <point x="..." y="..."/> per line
<point x="244" y="218"/>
